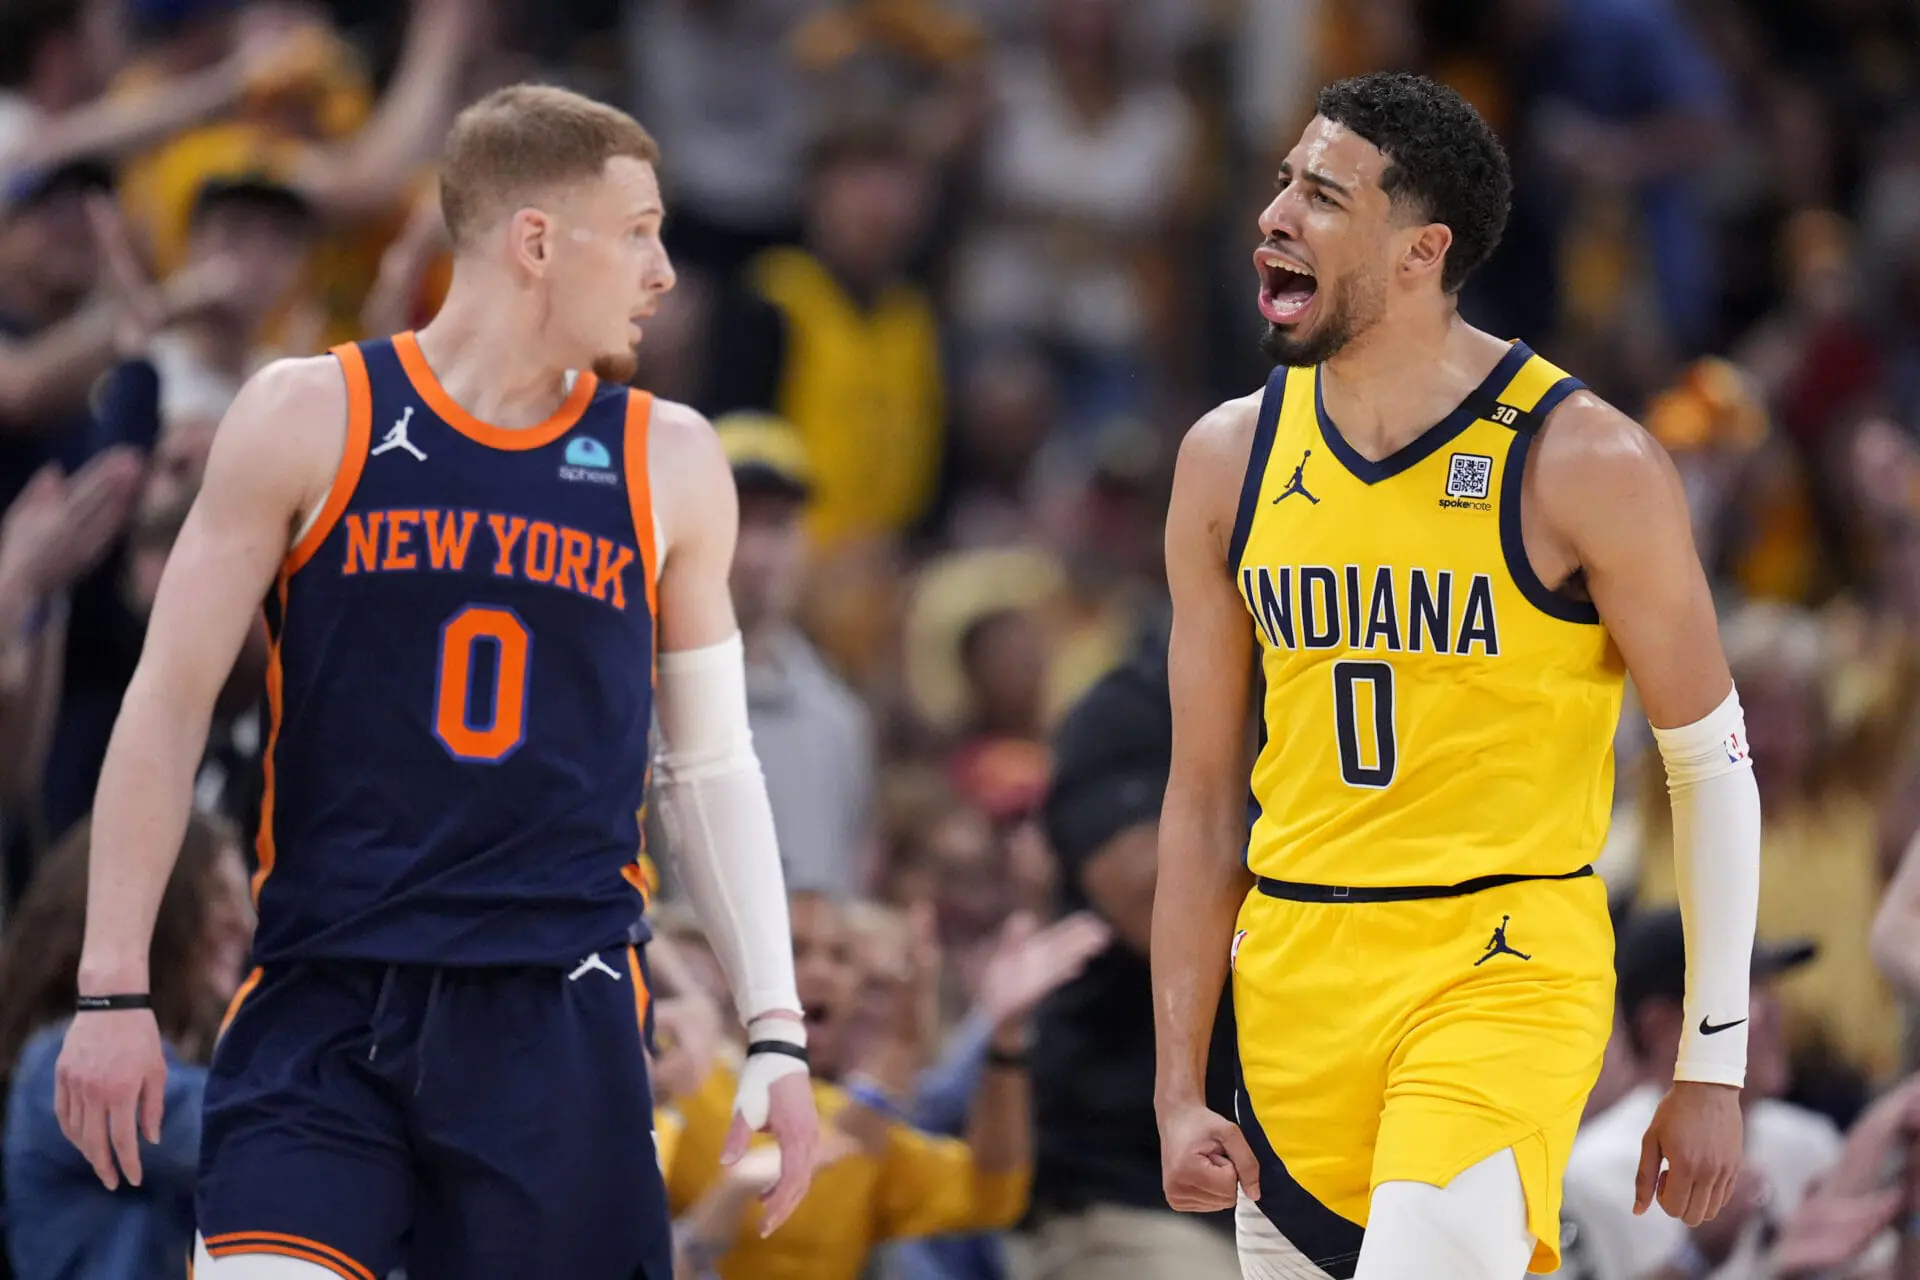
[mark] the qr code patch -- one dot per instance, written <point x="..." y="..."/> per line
<point x="1470" y="476"/>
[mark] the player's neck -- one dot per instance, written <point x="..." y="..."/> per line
<point x="1393" y="383"/>
<point x="493" y="364"/>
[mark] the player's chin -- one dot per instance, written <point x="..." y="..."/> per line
<point x="617" y="366"/>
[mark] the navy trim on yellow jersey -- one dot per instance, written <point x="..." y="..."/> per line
<point x="1512" y="541"/>
<point x="1270" y="403"/>
<point x="1329" y="1241"/>
<point x="1434" y="438"/>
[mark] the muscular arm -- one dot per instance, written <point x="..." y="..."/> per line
<point x="1610" y="499"/>
<point x="1203" y="823"/>
<point x="273" y="458"/>
<point x="713" y="795"/>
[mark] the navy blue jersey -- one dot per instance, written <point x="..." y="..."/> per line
<point x="461" y="683"/>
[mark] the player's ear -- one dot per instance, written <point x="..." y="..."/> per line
<point x="530" y="235"/>
<point x="1427" y="250"/>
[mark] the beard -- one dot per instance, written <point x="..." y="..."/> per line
<point x="617" y="368"/>
<point x="1355" y="307"/>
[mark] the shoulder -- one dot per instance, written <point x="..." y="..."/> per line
<point x="288" y="425"/>
<point x="1591" y="461"/>
<point x="1221" y="440"/>
<point x="681" y="442"/>
<point x="689" y="478"/>
<point x="310" y="386"/>
<point x="1214" y="456"/>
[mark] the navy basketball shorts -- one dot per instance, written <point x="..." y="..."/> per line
<point x="465" y="1124"/>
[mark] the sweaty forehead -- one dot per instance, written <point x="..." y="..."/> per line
<point x="1339" y="153"/>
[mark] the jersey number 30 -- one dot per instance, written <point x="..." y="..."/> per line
<point x="1367" y="750"/>
<point x="501" y="727"/>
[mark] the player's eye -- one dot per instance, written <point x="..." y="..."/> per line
<point x="1322" y="198"/>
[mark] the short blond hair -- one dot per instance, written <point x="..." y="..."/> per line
<point x="520" y="141"/>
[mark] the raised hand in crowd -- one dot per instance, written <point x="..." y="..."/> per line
<point x="1031" y="962"/>
<point x="144" y="308"/>
<point x="1831" y="1228"/>
<point x="60" y="527"/>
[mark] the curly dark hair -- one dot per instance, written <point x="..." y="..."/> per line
<point x="1442" y="158"/>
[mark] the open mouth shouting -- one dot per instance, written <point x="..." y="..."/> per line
<point x="1287" y="286"/>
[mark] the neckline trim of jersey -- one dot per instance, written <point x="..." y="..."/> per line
<point x="427" y="386"/>
<point x="1470" y="410"/>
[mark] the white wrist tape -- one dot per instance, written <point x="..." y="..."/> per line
<point x="1716" y="851"/>
<point x="753" y="1098"/>
<point x="719" y="825"/>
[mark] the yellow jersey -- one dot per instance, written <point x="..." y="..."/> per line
<point x="1433" y="712"/>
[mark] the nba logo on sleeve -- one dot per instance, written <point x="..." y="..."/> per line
<point x="1736" y="747"/>
<point x="588" y="460"/>
<point x="1470" y="475"/>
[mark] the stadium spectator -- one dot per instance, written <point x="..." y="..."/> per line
<point x="316" y="130"/>
<point x="885" y="1180"/>
<point x="53" y="535"/>
<point x="1098" y="1206"/>
<point x="860" y="359"/>
<point x="814" y="738"/>
<point x="1085" y="173"/>
<point x="57" y="54"/>
<point x="59" y="1220"/>
<point x="714" y="83"/>
<point x="1786" y="1146"/>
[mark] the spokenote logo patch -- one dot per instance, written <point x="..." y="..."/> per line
<point x="1469" y="481"/>
<point x="588" y="460"/>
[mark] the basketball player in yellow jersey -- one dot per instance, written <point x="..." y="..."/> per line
<point x="1448" y="556"/>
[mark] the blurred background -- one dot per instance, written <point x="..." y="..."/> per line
<point x="955" y="275"/>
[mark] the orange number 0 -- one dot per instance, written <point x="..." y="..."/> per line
<point x="496" y="740"/>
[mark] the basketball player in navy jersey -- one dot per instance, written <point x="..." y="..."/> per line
<point x="477" y="547"/>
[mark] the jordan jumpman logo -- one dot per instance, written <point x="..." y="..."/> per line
<point x="1498" y="946"/>
<point x="1299" y="483"/>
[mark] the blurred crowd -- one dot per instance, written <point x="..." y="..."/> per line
<point x="954" y="276"/>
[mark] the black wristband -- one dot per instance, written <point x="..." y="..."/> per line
<point x="1014" y="1061"/>
<point x="106" y="1004"/>
<point x="778" y="1046"/>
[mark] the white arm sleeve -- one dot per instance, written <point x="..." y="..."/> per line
<point x="714" y="808"/>
<point x="1716" y="851"/>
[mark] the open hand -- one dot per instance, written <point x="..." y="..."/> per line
<point x="1830" y="1229"/>
<point x="1029" y="963"/>
<point x="1697" y="1131"/>
<point x="110" y="1088"/>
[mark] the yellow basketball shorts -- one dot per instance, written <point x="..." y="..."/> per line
<point x="1394" y="1041"/>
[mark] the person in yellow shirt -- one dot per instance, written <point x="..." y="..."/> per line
<point x="880" y="1179"/>
<point x="860" y="372"/>
<point x="314" y="127"/>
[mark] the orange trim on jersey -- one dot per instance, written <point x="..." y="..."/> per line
<point x="239" y="998"/>
<point x="353" y="456"/>
<point x="640" y="498"/>
<point x="641" y="996"/>
<point x="235" y="1243"/>
<point x="420" y="374"/>
<point x="263" y="846"/>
